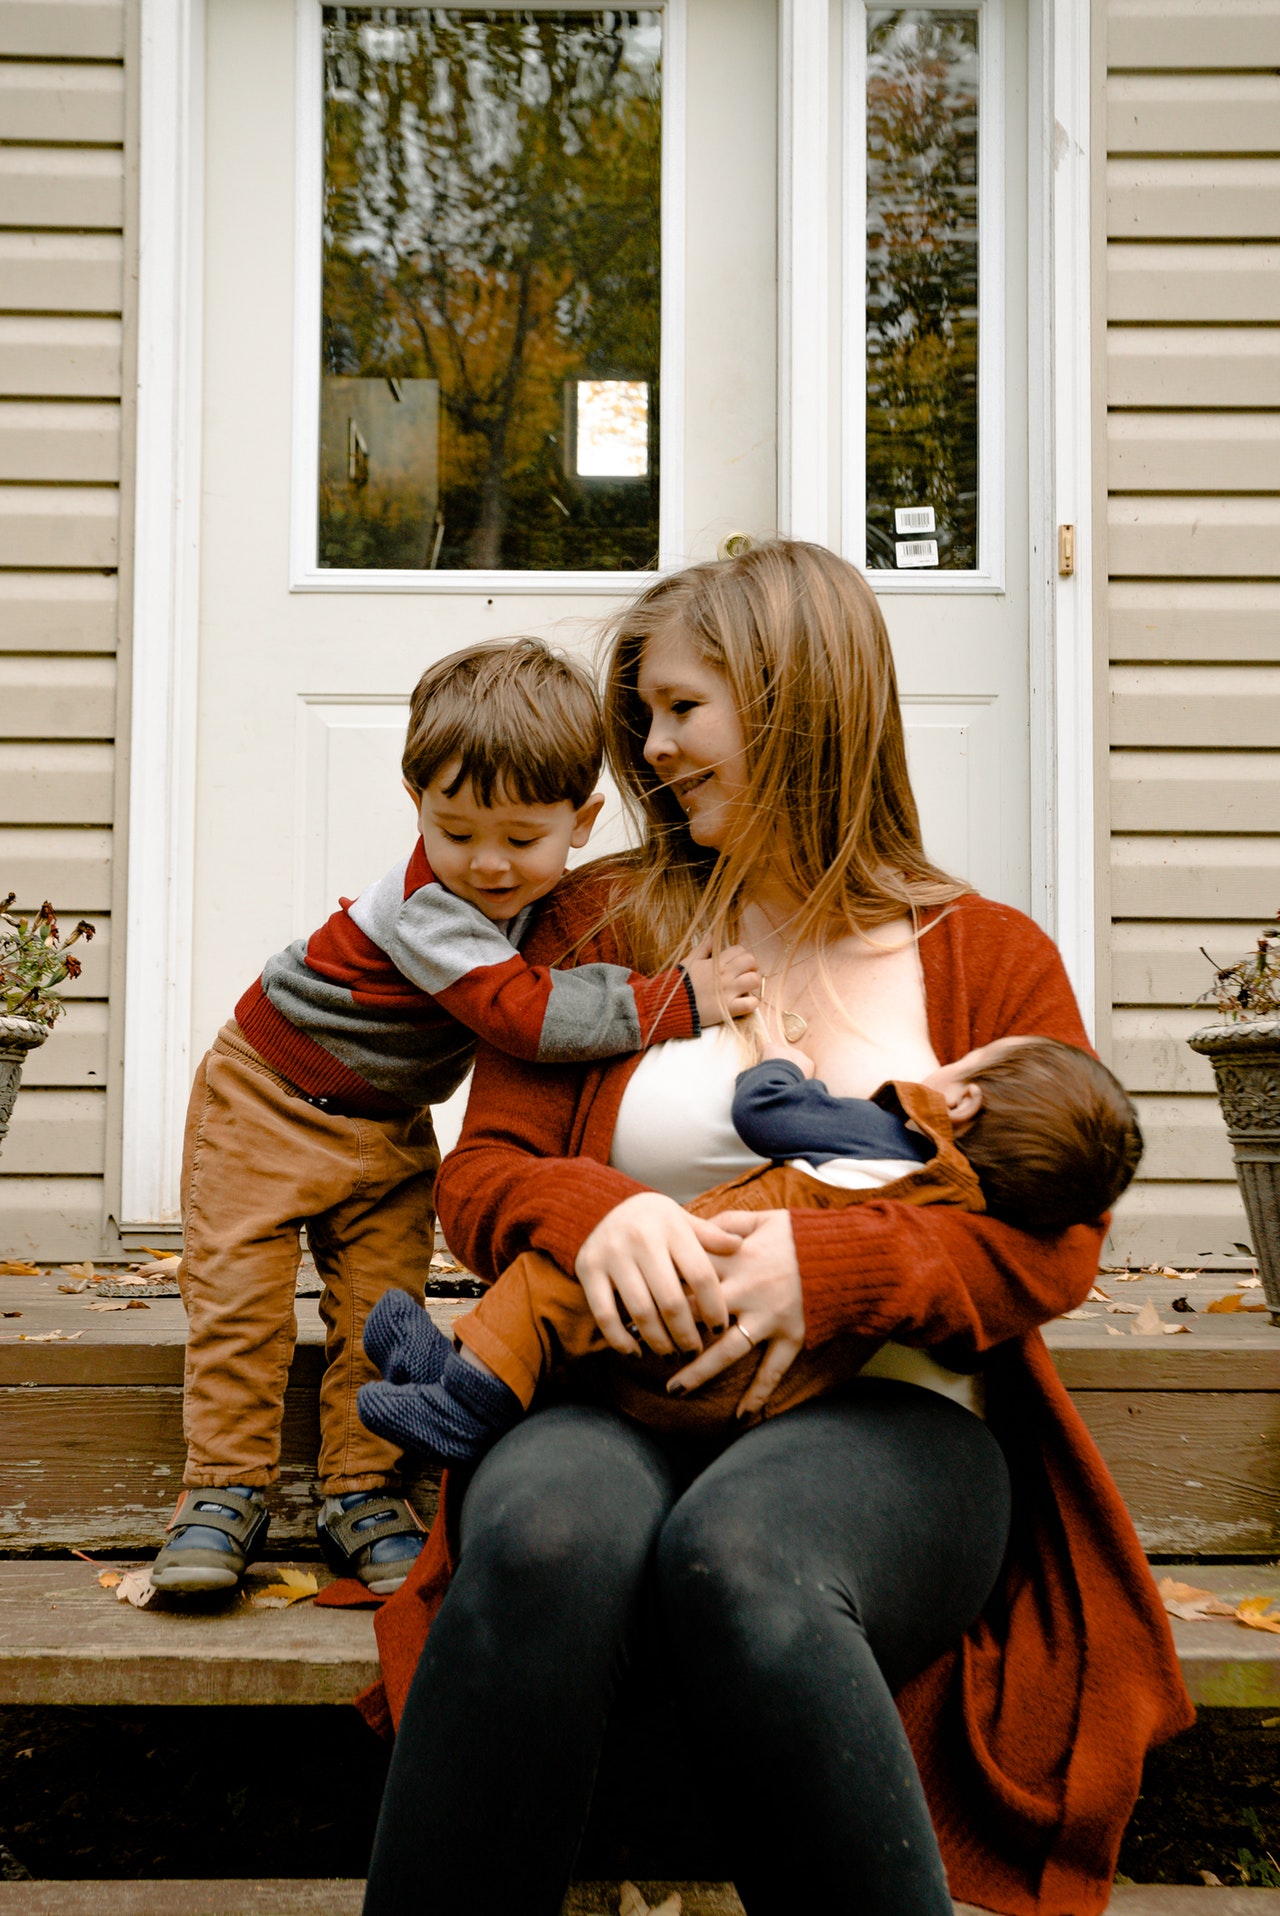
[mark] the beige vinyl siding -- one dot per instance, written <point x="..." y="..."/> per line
<point x="62" y="187"/>
<point x="1193" y="560"/>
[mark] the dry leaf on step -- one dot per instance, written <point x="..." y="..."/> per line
<point x="1192" y="1605"/>
<point x="1253" y="1614"/>
<point x="1231" y="1302"/>
<point x="294" y="1587"/>
<point x="159" y="1267"/>
<point x="109" y="1579"/>
<point x="632" y="1903"/>
<point x="42" y="1337"/>
<point x="10" y="1313"/>
<point x="1077" y="1315"/>
<point x="1250" y="1283"/>
<point x="118" y="1304"/>
<point x="1113" y="1330"/>
<point x="136" y="1587"/>
<point x="134" y="1276"/>
<point x="79" y="1270"/>
<point x="76" y="1285"/>
<point x="1211" y="1881"/>
<point x="1147" y="1323"/>
<point x="1097" y="1296"/>
<point x="18" y="1267"/>
<point x="1123" y="1310"/>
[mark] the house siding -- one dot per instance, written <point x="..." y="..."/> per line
<point x="62" y="250"/>
<point x="1193" y="563"/>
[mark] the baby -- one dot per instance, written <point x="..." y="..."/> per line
<point x="1049" y="1137"/>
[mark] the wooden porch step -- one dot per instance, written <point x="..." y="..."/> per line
<point x="66" y="1640"/>
<point x="289" y="1897"/>
<point x="91" y="1448"/>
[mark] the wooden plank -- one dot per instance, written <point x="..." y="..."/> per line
<point x="1204" y="706"/>
<point x="1193" y="198"/>
<point x="56" y="784"/>
<point x="292" y="1897"/>
<point x="60" y="358"/>
<point x="59" y="526"/>
<point x="57" y="1134"/>
<point x="1192" y="366"/>
<point x="1183" y="452"/>
<point x="57" y="1217"/>
<point x="1193" y="113"/>
<point x="81" y="187"/>
<point x="60" y="102"/>
<point x="57" y="698"/>
<point x="1192" y="791"/>
<point x="62" y="272"/>
<point x="59" y="439"/>
<point x="1193" y="33"/>
<point x="1191" y="877"/>
<point x="1161" y="964"/>
<point x="64" y="1640"/>
<point x="1183" y="1223"/>
<point x="58" y="612"/>
<point x="72" y="868"/>
<point x="1185" y="1138"/>
<point x="1215" y="620"/>
<point x="1207" y="538"/>
<point x="76" y="1053"/>
<point x="63" y="29"/>
<point x="1198" y="1471"/>
<point x="1185" y="284"/>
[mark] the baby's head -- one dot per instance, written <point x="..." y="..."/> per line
<point x="501" y="759"/>
<point x="1052" y="1135"/>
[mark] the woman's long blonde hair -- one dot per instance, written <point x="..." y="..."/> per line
<point x="798" y="635"/>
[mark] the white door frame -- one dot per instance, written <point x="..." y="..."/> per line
<point x="162" y="822"/>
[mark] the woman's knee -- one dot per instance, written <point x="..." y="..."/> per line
<point x="725" y="1584"/>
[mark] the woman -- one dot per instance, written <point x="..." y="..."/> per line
<point x="909" y="1615"/>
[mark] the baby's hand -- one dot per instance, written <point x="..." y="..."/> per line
<point x="779" y="1048"/>
<point x="724" y="987"/>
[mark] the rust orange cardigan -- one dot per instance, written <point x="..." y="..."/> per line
<point x="1030" y="1733"/>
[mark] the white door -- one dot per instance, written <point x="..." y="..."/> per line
<point x="370" y="195"/>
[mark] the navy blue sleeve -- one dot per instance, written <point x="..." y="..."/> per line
<point x="779" y="1113"/>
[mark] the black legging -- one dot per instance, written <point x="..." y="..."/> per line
<point x="782" y="1597"/>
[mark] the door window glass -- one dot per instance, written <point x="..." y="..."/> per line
<point x="922" y="145"/>
<point x="491" y="289"/>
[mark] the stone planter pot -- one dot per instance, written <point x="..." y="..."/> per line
<point x="1246" y="1064"/>
<point x="18" y="1036"/>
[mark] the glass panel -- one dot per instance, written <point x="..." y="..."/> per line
<point x="922" y="288"/>
<point x="489" y="380"/>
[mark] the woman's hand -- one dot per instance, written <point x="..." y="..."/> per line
<point x="760" y="1284"/>
<point x="652" y="1257"/>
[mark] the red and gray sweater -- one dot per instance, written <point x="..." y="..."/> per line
<point x="381" y="1008"/>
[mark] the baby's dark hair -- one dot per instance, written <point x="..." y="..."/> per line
<point x="1056" y="1139"/>
<point x="520" y="721"/>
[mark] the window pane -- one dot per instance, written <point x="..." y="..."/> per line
<point x="922" y="288"/>
<point x="489" y="383"/>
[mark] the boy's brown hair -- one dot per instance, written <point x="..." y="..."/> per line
<point x="520" y="721"/>
<point x="1056" y="1139"/>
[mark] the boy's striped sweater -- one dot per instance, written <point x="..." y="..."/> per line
<point x="380" y="1009"/>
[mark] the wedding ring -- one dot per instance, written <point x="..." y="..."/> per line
<point x="746" y="1333"/>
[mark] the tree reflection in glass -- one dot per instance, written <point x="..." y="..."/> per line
<point x="922" y="285"/>
<point x="491" y="304"/>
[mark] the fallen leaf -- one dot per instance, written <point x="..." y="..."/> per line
<point x="159" y="1267"/>
<point x="1192" y="1605"/>
<point x="1175" y="1330"/>
<point x="1182" y="1304"/>
<point x="1211" y="1881"/>
<point x="18" y="1267"/>
<point x="76" y="1285"/>
<point x="109" y="1579"/>
<point x="1123" y="1310"/>
<point x="632" y="1903"/>
<point x="110" y="1304"/>
<point x="1113" y="1330"/>
<point x="133" y="1276"/>
<point x="85" y="1271"/>
<point x="1270" y="1723"/>
<point x="1250" y="1283"/>
<point x="1254" y="1614"/>
<point x="1231" y="1302"/>
<point x="164" y="1257"/>
<point x="295" y="1586"/>
<point x="1147" y="1323"/>
<point x="1077" y="1315"/>
<point x="10" y="1313"/>
<point x="42" y="1337"/>
<point x="136" y="1587"/>
<point x="1097" y="1296"/>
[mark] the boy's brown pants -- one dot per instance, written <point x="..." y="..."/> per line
<point x="535" y="1318"/>
<point x="258" y="1162"/>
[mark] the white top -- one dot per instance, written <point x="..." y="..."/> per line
<point x="675" y="1133"/>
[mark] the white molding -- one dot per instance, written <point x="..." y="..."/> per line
<point x="305" y="573"/>
<point x="989" y="574"/>
<point x="157" y="1032"/>
<point x="804" y="251"/>
<point x="1068" y="685"/>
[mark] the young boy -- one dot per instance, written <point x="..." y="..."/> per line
<point x="312" y="1107"/>
<point x="1049" y="1139"/>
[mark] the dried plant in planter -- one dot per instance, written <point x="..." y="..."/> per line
<point x="1251" y="988"/>
<point x="34" y="960"/>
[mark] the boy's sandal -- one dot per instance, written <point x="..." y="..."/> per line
<point x="347" y="1538"/>
<point x="243" y="1521"/>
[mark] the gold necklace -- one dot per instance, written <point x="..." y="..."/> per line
<point x="793" y="1025"/>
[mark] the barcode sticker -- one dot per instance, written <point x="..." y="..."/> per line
<point x="916" y="552"/>
<point x="913" y="519"/>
